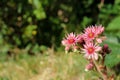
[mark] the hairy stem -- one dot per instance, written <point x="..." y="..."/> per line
<point x="104" y="76"/>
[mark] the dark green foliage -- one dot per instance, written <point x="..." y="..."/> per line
<point x="43" y="21"/>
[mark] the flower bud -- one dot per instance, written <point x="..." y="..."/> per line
<point x="89" y="66"/>
<point x="105" y="49"/>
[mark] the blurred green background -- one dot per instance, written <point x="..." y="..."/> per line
<point x="36" y="27"/>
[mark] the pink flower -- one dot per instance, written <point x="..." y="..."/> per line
<point x="92" y="32"/>
<point x="69" y="41"/>
<point x="99" y="29"/>
<point x="91" y="50"/>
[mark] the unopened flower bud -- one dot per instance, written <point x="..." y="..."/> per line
<point x="89" y="66"/>
<point x="99" y="40"/>
<point x="105" y="49"/>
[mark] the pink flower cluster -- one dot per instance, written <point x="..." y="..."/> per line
<point x="91" y="38"/>
<point x="87" y="42"/>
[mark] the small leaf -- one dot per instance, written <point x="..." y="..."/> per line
<point x="39" y="10"/>
<point x="40" y="14"/>
<point x="28" y="32"/>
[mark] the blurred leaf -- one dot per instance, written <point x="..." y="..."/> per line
<point x="111" y="38"/>
<point x="19" y="8"/>
<point x="4" y="49"/>
<point x="17" y="40"/>
<point x="27" y="48"/>
<point x="40" y="14"/>
<point x="117" y="1"/>
<point x="36" y="49"/>
<point x="28" y="32"/>
<point x="37" y="3"/>
<point x="86" y="21"/>
<point x="54" y="20"/>
<point x="114" y="57"/>
<point x="66" y="7"/>
<point x="39" y="11"/>
<point x="29" y="19"/>
<point x="1" y="39"/>
<point x="114" y="24"/>
<point x="43" y="48"/>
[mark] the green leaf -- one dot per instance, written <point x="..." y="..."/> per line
<point x="40" y="14"/>
<point x="114" y="24"/>
<point x="28" y="31"/>
<point x="36" y="48"/>
<point x="86" y="21"/>
<point x="37" y="3"/>
<point x="117" y="1"/>
<point x="66" y="7"/>
<point x="114" y="57"/>
<point x="39" y="10"/>
<point x="19" y="7"/>
<point x="54" y="20"/>
<point x="17" y="40"/>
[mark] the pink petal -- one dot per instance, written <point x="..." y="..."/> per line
<point x="98" y="48"/>
<point x="99" y="40"/>
<point x="96" y="56"/>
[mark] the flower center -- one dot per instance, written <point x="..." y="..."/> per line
<point x="91" y="35"/>
<point x="71" y="41"/>
<point x="90" y="50"/>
